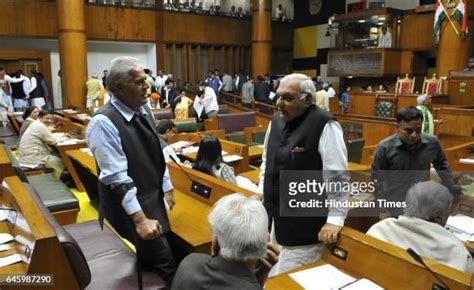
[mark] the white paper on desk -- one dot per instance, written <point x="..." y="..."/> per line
<point x="86" y="150"/>
<point x="3" y="216"/>
<point x="191" y="149"/>
<point x="58" y="135"/>
<point x="462" y="226"/>
<point x="4" y="247"/>
<point x="325" y="277"/>
<point x="5" y="238"/>
<point x="271" y="96"/>
<point x="466" y="160"/>
<point x="198" y="106"/>
<point x="363" y="284"/>
<point x="70" y="141"/>
<point x="8" y="260"/>
<point x="181" y="144"/>
<point x="232" y="158"/>
<point x="244" y="182"/>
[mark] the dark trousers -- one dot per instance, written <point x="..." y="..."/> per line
<point x="155" y="255"/>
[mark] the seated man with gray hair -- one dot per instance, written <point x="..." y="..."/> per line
<point x="241" y="255"/>
<point x="421" y="227"/>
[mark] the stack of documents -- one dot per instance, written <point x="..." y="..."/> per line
<point x="462" y="226"/>
<point x="328" y="277"/>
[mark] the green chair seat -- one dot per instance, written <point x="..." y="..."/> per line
<point x="53" y="192"/>
<point x="236" y="137"/>
<point x="223" y="109"/>
<point x="258" y="137"/>
<point x="186" y="126"/>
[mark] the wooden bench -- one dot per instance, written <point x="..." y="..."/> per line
<point x="78" y="255"/>
<point x="391" y="267"/>
<point x="53" y="192"/>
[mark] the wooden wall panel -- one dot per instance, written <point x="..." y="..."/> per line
<point x="417" y="31"/>
<point x="459" y="122"/>
<point x="28" y="18"/>
<point x="202" y="29"/>
<point x="112" y="23"/>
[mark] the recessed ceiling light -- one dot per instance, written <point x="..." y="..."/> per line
<point x="382" y="18"/>
<point x="361" y="21"/>
<point x="380" y="23"/>
<point x="350" y="77"/>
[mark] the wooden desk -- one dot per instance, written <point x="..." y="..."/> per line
<point x="387" y="265"/>
<point x="62" y="150"/>
<point x="255" y="152"/>
<point x="6" y="168"/>
<point x="232" y="148"/>
<point x="38" y="243"/>
<point x="253" y="175"/>
<point x="85" y="159"/>
<point x="188" y="218"/>
<point x="79" y="119"/>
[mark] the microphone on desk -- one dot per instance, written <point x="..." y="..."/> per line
<point x="417" y="258"/>
<point x="196" y="187"/>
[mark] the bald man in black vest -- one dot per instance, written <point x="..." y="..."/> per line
<point x="302" y="137"/>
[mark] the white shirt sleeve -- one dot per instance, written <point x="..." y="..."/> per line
<point x="334" y="156"/>
<point x="264" y="159"/>
<point x="33" y="85"/>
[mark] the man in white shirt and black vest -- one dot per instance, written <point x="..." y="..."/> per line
<point x="302" y="137"/>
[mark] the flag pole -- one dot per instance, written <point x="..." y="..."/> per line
<point x="449" y="18"/>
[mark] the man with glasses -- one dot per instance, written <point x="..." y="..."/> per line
<point x="301" y="137"/>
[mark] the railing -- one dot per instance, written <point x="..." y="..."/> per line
<point x="256" y="106"/>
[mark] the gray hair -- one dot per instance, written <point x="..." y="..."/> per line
<point x="428" y="199"/>
<point x="421" y="99"/>
<point x="306" y="83"/>
<point x="119" y="71"/>
<point x="240" y="225"/>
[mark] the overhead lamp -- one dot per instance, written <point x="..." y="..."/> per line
<point x="380" y="23"/>
<point x="382" y="18"/>
<point x="361" y="21"/>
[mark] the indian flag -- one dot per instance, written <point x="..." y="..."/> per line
<point x="440" y="15"/>
<point x="460" y="13"/>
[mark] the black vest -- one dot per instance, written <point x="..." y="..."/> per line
<point x="146" y="167"/>
<point x="305" y="132"/>
<point x="17" y="90"/>
<point x="38" y="92"/>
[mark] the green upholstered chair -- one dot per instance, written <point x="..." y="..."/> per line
<point x="223" y="109"/>
<point x="237" y="137"/>
<point x="258" y="137"/>
<point x="354" y="149"/>
<point x="186" y="125"/>
<point x="385" y="109"/>
<point x="53" y="192"/>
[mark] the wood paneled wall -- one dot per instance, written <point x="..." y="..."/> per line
<point x="417" y="31"/>
<point x="38" y="18"/>
<point x="202" y="29"/>
<point x="116" y="23"/>
<point x="197" y="58"/>
<point x="28" y="18"/>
